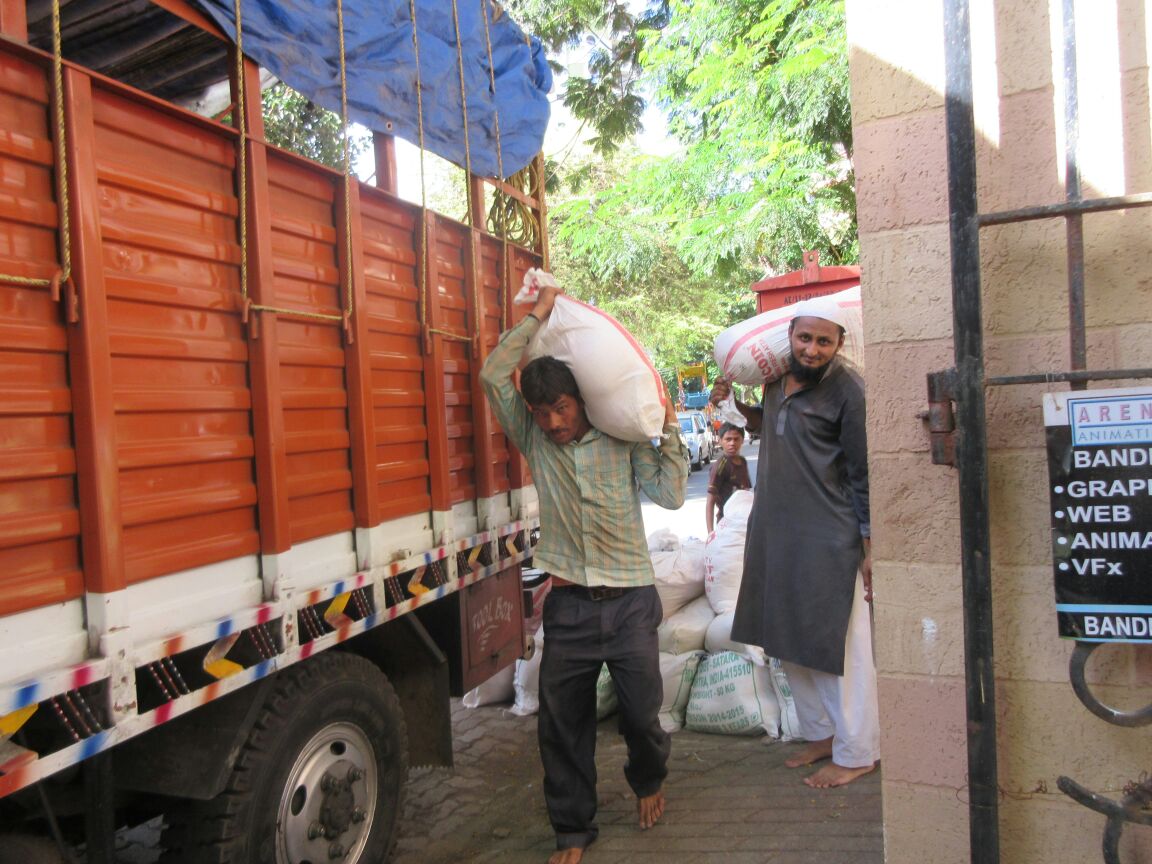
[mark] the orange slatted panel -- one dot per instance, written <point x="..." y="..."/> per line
<point x="522" y="261"/>
<point x="39" y="519"/>
<point x="492" y="302"/>
<point x="402" y="468"/>
<point x="451" y="295"/>
<point x="313" y="384"/>
<point x="179" y="351"/>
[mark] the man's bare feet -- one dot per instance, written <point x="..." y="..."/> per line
<point x="567" y="856"/>
<point x="833" y="775"/>
<point x="816" y="751"/>
<point x="650" y="808"/>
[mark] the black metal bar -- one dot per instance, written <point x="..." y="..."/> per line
<point x="1076" y="376"/>
<point x="1074" y="223"/>
<point x="99" y="815"/>
<point x="1052" y="211"/>
<point x="971" y="443"/>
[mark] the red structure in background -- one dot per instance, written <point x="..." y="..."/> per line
<point x="811" y="281"/>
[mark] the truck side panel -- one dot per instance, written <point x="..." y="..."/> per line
<point x="178" y="349"/>
<point x="204" y="477"/>
<point x="39" y="521"/>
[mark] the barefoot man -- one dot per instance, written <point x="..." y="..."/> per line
<point x="808" y="561"/>
<point x="603" y="606"/>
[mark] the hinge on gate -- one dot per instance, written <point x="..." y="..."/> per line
<point x="941" y="417"/>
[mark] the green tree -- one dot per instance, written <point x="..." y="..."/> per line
<point x="610" y="97"/>
<point x="757" y="93"/>
<point x="636" y="275"/>
<point x="293" y="122"/>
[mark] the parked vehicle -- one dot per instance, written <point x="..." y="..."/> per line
<point x="694" y="429"/>
<point x="256" y="523"/>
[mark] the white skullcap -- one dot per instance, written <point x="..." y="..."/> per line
<point x="826" y="307"/>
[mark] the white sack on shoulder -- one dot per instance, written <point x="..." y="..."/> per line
<point x="757" y="350"/>
<point x="724" y="554"/>
<point x="622" y="391"/>
<point x="686" y="630"/>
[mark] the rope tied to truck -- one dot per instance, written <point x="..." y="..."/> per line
<point x="241" y="122"/>
<point x="63" y="276"/>
<point x="499" y="168"/>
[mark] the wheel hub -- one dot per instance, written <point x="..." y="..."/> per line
<point x="327" y="805"/>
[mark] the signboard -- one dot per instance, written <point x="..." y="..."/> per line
<point x="1100" y="472"/>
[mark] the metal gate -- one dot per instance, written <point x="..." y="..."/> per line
<point x="957" y="421"/>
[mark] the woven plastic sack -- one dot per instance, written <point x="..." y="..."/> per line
<point x="622" y="391"/>
<point x="606" y="701"/>
<point x="724" y="553"/>
<point x="679" y="574"/>
<point x="789" y="722"/>
<point x="678" y="672"/>
<point x="756" y="351"/>
<point x="686" y="630"/>
<point x="497" y="689"/>
<point x="526" y="682"/>
<point x="732" y="696"/>
<point x="719" y="638"/>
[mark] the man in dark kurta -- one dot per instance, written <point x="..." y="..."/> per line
<point x="807" y="564"/>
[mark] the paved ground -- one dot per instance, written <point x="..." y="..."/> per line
<point x="730" y="800"/>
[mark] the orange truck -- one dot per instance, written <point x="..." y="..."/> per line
<point x="257" y="524"/>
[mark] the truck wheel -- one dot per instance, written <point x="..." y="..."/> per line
<point x="319" y="779"/>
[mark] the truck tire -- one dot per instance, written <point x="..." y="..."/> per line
<point x="319" y="779"/>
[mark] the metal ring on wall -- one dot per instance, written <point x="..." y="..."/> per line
<point x="1076" y="664"/>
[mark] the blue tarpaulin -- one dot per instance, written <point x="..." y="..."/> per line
<point x="298" y="41"/>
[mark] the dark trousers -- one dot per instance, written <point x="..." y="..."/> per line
<point x="581" y="634"/>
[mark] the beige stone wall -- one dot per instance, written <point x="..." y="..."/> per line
<point x="897" y="70"/>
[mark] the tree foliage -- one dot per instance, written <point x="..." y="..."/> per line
<point x="756" y="92"/>
<point x="637" y="276"/>
<point x="293" y="122"/>
<point x="609" y="98"/>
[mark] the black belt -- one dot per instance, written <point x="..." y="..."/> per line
<point x="596" y="592"/>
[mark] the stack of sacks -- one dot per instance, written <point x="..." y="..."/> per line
<point x="711" y="683"/>
<point x="677" y="671"/>
<point x="737" y="690"/>
<point x="679" y="566"/>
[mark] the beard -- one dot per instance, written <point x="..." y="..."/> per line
<point x="806" y="374"/>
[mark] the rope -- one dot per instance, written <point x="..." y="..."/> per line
<point x="347" y="172"/>
<point x="501" y="225"/>
<point x="423" y="189"/>
<point x="513" y="217"/>
<point x="64" y="274"/>
<point x="474" y="253"/>
<point x="247" y="306"/>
